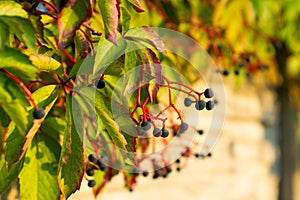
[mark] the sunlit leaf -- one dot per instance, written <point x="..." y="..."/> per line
<point x="70" y="170"/>
<point x="11" y="8"/>
<point x="14" y="61"/>
<point x="40" y="167"/>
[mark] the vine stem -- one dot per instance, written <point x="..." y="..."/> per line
<point x="23" y="87"/>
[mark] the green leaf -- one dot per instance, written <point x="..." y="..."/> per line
<point x="109" y="124"/>
<point x="11" y="8"/>
<point x="147" y="37"/>
<point x="17" y="142"/>
<point x="54" y="127"/>
<point x="7" y="177"/>
<point x="130" y="60"/>
<point x="23" y="29"/>
<point x="136" y="4"/>
<point x="40" y="167"/>
<point x="20" y="119"/>
<point x="71" y="164"/>
<point x="107" y="53"/>
<point x="17" y="63"/>
<point x="70" y="19"/>
<point x="3" y="35"/>
<point x="45" y="62"/>
<point x="125" y="19"/>
<point x="110" y="16"/>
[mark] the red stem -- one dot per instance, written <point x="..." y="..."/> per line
<point x="23" y="87"/>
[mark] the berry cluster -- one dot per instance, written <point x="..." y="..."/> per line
<point x="201" y="104"/>
<point x="94" y="164"/>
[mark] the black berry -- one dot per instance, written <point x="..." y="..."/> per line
<point x="236" y="72"/>
<point x="157" y="132"/>
<point x="177" y="161"/>
<point x="200" y="132"/>
<point x="92" y="158"/>
<point x="38" y="113"/>
<point x="146" y="125"/>
<point x="188" y="102"/>
<point x="200" y="105"/>
<point x="91" y="183"/>
<point x="248" y="59"/>
<point x="164" y="133"/>
<point x="169" y="169"/>
<point x="225" y="72"/>
<point x="155" y="175"/>
<point x="101" y="84"/>
<point x="197" y="155"/>
<point x="210" y="105"/>
<point x="145" y="173"/>
<point x="101" y="165"/>
<point x="208" y="93"/>
<point x="90" y="172"/>
<point x="178" y="169"/>
<point x="209" y="154"/>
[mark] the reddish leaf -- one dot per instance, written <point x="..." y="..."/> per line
<point x="157" y="74"/>
<point x="70" y="19"/>
<point x="137" y="5"/>
<point x="110" y="15"/>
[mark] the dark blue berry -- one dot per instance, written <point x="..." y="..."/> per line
<point x="140" y="131"/>
<point x="200" y="105"/>
<point x="164" y="133"/>
<point x="157" y="132"/>
<point x="146" y="125"/>
<point x="188" y="102"/>
<point x="210" y="105"/>
<point x="208" y="93"/>
<point x="39" y="113"/>
<point x="182" y="128"/>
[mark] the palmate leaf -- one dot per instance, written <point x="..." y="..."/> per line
<point x="70" y="169"/>
<point x="40" y="167"/>
<point x="70" y="19"/>
<point x="110" y="16"/>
